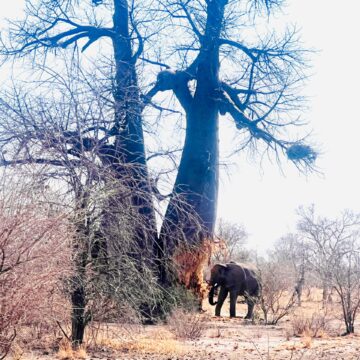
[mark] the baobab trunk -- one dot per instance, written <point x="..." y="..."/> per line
<point x="191" y="214"/>
<point x="127" y="158"/>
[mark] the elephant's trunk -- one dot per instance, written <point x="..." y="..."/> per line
<point x="211" y="295"/>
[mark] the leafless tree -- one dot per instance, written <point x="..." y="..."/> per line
<point x="346" y="282"/>
<point x="231" y="242"/>
<point x="41" y="132"/>
<point x="277" y="295"/>
<point x="254" y="83"/>
<point x="117" y="135"/>
<point x="34" y="257"/>
<point x="220" y="74"/>
<point x="326" y="241"/>
<point x="291" y="251"/>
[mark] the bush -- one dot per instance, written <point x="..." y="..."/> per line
<point x="186" y="325"/>
<point x="277" y="296"/>
<point x="34" y="250"/>
<point x="315" y="326"/>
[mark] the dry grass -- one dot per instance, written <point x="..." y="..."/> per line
<point x="16" y="352"/>
<point x="170" y="347"/>
<point x="66" y="352"/>
<point x="222" y="338"/>
<point x="186" y="325"/>
<point x="307" y="341"/>
<point x="315" y="326"/>
<point x="154" y="340"/>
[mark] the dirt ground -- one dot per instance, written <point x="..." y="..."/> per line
<point x="222" y="338"/>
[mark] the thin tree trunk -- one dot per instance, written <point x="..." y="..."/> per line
<point x="78" y="322"/>
<point x="80" y="260"/>
<point x="300" y="284"/>
<point x="326" y="288"/>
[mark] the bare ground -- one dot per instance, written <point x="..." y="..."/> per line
<point x="222" y="338"/>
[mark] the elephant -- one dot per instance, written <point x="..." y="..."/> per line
<point x="236" y="280"/>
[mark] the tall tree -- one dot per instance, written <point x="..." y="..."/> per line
<point x="52" y="25"/>
<point x="32" y="135"/>
<point x="221" y="74"/>
<point x="254" y="85"/>
<point x="117" y="142"/>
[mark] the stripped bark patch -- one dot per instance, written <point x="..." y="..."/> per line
<point x="190" y="264"/>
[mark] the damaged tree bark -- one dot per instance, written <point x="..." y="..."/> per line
<point x="191" y="213"/>
<point x="253" y="99"/>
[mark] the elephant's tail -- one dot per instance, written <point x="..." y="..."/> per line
<point x="211" y="296"/>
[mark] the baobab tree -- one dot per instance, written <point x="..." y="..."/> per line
<point x="222" y="75"/>
<point x="255" y="85"/>
<point x="53" y="25"/>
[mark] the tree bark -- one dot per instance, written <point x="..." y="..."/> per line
<point x="300" y="284"/>
<point x="191" y="213"/>
<point x="80" y="259"/>
<point x="128" y="159"/>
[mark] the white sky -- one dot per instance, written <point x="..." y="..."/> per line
<point x="263" y="199"/>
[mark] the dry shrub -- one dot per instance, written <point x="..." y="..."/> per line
<point x="306" y="341"/>
<point x="186" y="325"/>
<point x="277" y="296"/>
<point x="35" y="256"/>
<point x="66" y="351"/>
<point x="128" y="326"/>
<point x="315" y="326"/>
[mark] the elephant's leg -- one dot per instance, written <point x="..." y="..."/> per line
<point x="221" y="298"/>
<point x="233" y="298"/>
<point x="250" y="303"/>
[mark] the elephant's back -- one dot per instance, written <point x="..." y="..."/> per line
<point x="251" y="282"/>
<point x="237" y="278"/>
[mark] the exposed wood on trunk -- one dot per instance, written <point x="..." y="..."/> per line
<point x="191" y="213"/>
